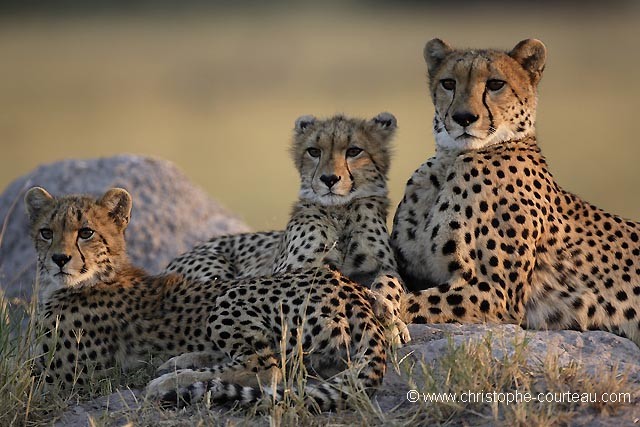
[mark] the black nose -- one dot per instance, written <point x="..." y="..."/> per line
<point x="60" y="259"/>
<point x="329" y="180"/>
<point x="464" y="119"/>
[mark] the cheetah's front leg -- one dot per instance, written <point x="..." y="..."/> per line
<point x="460" y="301"/>
<point x="369" y="261"/>
<point x="386" y="297"/>
<point x="420" y="194"/>
<point x="302" y="247"/>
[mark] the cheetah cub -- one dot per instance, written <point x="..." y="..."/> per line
<point x="484" y="232"/>
<point x="339" y="218"/>
<point x="99" y="313"/>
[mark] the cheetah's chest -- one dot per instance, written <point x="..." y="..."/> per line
<point x="425" y="219"/>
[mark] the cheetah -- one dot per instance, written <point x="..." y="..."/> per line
<point x="339" y="218"/>
<point x="484" y="232"/>
<point x="353" y="156"/>
<point x="99" y="314"/>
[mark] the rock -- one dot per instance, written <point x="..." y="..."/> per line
<point x="115" y="406"/>
<point x="593" y="349"/>
<point x="170" y="214"/>
<point x="596" y="352"/>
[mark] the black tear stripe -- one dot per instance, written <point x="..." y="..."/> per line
<point x="353" y="186"/>
<point x="346" y="162"/>
<point x="517" y="97"/>
<point x="446" y="113"/>
<point x="84" y="265"/>
<point x="492" y="128"/>
<point x="315" y="171"/>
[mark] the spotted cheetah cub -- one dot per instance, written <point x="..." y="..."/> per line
<point x="99" y="313"/>
<point x="339" y="218"/>
<point x="343" y="164"/>
<point x="484" y="228"/>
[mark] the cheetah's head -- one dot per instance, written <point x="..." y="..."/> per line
<point x="483" y="97"/>
<point x="79" y="240"/>
<point x="340" y="159"/>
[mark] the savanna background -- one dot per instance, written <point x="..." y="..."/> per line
<point x="216" y="86"/>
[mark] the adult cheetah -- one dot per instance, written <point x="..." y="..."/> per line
<point x="484" y="232"/>
<point x="100" y="313"/>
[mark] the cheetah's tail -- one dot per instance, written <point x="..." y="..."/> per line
<point x="325" y="396"/>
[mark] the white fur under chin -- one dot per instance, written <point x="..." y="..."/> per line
<point x="336" y="200"/>
<point x="48" y="284"/>
<point x="502" y="134"/>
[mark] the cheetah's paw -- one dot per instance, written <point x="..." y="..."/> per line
<point x="193" y="360"/>
<point x="383" y="310"/>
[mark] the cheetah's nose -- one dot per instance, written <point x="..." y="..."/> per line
<point x="464" y="119"/>
<point x="60" y="259"/>
<point x="329" y="180"/>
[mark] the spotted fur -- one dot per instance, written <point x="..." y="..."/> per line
<point x="339" y="218"/>
<point x="353" y="152"/>
<point x="99" y="313"/>
<point x="484" y="232"/>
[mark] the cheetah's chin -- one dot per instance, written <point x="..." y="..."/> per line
<point x="69" y="280"/>
<point x="327" y="199"/>
<point x="464" y="143"/>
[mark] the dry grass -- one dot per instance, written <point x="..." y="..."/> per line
<point x="474" y="367"/>
<point x="471" y="366"/>
<point x="218" y="92"/>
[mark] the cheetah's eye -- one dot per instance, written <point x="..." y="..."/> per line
<point x="448" y="84"/>
<point x="353" y="151"/>
<point x="85" y="233"/>
<point x="495" y="84"/>
<point x="314" y="152"/>
<point x="46" y="233"/>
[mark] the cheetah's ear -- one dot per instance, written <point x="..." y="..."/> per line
<point x="35" y="199"/>
<point x="118" y="203"/>
<point x="303" y="123"/>
<point x="532" y="55"/>
<point x="435" y="51"/>
<point x="385" y="123"/>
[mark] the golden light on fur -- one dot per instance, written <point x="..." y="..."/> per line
<point x="340" y="159"/>
<point x="483" y="97"/>
<point x="78" y="238"/>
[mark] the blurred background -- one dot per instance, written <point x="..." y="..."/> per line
<point x="216" y="86"/>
